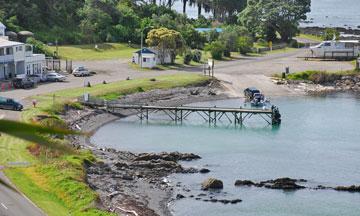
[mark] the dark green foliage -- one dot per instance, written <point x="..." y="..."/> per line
<point x="188" y="56"/>
<point x="230" y="37"/>
<point x="245" y="44"/>
<point x="216" y="49"/>
<point x="39" y="47"/>
<point x="193" y="39"/>
<point x="266" y="18"/>
<point x="196" y="56"/>
<point x="320" y="77"/>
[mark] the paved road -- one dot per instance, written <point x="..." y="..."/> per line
<point x="15" y="204"/>
<point x="255" y="71"/>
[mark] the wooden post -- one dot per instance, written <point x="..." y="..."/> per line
<point x="181" y="116"/>
<point x="215" y="117"/>
<point x="141" y="114"/>
<point x="176" y="116"/>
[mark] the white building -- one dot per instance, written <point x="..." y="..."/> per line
<point x="18" y="59"/>
<point x="150" y="58"/>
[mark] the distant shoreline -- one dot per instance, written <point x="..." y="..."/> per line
<point x="319" y="30"/>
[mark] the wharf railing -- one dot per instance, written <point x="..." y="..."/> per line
<point x="212" y="115"/>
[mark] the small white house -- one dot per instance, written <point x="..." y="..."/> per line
<point x="336" y="49"/>
<point x="150" y="58"/>
<point x="18" y="59"/>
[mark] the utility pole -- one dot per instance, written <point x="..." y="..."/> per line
<point x="142" y="39"/>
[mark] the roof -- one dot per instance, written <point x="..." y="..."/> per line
<point x="2" y="25"/>
<point x="7" y="43"/>
<point x="145" y="51"/>
<point x="26" y="33"/>
<point x="219" y="30"/>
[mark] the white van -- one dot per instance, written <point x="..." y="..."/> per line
<point x="342" y="49"/>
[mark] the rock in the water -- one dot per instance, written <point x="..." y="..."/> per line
<point x="212" y="183"/>
<point x="180" y="196"/>
<point x="204" y="170"/>
<point x="173" y="156"/>
<point x="244" y="183"/>
<point x="282" y="183"/>
<point x="235" y="201"/>
<point x="352" y="188"/>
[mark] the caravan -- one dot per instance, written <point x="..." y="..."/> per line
<point x="342" y="49"/>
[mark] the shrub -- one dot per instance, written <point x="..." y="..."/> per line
<point x="293" y="43"/>
<point x="245" y="44"/>
<point x="227" y="53"/>
<point x="196" y="56"/>
<point x="216" y="49"/>
<point x="187" y="57"/>
<point x="329" y="34"/>
<point x="39" y="47"/>
<point x="262" y="42"/>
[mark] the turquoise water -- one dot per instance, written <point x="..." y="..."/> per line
<point x="319" y="140"/>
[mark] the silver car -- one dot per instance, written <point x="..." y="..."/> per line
<point x="81" y="71"/>
<point x="55" y="77"/>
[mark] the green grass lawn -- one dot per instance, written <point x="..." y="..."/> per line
<point x="57" y="184"/>
<point x="311" y="37"/>
<point x="88" y="52"/>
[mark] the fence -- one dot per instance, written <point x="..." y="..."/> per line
<point x="53" y="64"/>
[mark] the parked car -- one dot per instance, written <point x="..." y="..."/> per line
<point x="81" y="71"/>
<point x="11" y="104"/>
<point x="23" y="83"/>
<point x="55" y="77"/>
<point x="250" y="92"/>
<point x="37" y="78"/>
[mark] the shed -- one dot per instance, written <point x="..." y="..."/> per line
<point x="145" y="57"/>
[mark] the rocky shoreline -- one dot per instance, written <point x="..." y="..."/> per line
<point x="348" y="84"/>
<point x="136" y="184"/>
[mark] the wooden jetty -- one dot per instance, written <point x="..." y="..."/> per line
<point x="212" y="115"/>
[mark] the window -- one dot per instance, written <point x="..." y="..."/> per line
<point x="2" y="52"/>
<point x="20" y="48"/>
<point x="28" y="69"/>
<point x="327" y="44"/>
<point x="144" y="59"/>
<point x="9" y="51"/>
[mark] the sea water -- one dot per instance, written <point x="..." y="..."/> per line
<point x="318" y="140"/>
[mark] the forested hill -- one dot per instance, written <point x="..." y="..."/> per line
<point x="92" y="21"/>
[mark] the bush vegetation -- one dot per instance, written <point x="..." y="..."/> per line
<point x="320" y="77"/>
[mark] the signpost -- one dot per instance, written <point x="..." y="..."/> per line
<point x="211" y="64"/>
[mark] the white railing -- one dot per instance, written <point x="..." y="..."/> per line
<point x="6" y="58"/>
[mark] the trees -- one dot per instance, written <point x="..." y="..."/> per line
<point x="268" y="17"/>
<point x="216" y="49"/>
<point x="245" y="44"/>
<point x="193" y="38"/>
<point x="166" y="40"/>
